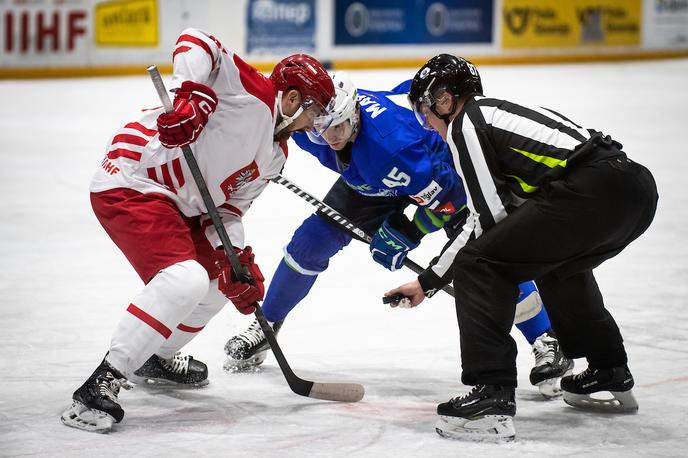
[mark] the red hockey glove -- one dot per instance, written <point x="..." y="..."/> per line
<point x="242" y="295"/>
<point x="193" y="105"/>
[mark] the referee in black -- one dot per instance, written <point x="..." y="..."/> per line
<point x="548" y="200"/>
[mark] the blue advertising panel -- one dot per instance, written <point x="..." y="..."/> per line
<point x="280" y="26"/>
<point x="413" y="21"/>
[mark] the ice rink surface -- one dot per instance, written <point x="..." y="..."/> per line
<point x="64" y="285"/>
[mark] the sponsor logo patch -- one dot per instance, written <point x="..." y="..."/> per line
<point x="426" y="196"/>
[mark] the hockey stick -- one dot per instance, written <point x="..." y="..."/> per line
<point x="348" y="226"/>
<point x="346" y="392"/>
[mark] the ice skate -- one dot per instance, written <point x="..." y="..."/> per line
<point x="550" y="366"/>
<point x="176" y="372"/>
<point x="247" y="351"/>
<point x="483" y="414"/>
<point x="95" y="407"/>
<point x="618" y="381"/>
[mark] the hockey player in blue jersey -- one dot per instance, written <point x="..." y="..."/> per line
<point x="386" y="162"/>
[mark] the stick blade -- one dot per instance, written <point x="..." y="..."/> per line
<point x="343" y="392"/>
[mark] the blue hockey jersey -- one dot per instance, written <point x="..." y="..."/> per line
<point x="393" y="155"/>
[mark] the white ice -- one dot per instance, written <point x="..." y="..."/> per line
<point x="64" y="285"/>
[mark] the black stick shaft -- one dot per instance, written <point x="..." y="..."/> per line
<point x="340" y="219"/>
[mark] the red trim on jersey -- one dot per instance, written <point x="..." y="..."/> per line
<point x="201" y="43"/>
<point x="150" y="321"/>
<point x="141" y="128"/>
<point x="121" y="152"/>
<point x="218" y="44"/>
<point x="178" y="172"/>
<point x="231" y="208"/>
<point x="256" y="83"/>
<point x="179" y="50"/>
<point x="152" y="174"/>
<point x="185" y="328"/>
<point x="167" y="178"/>
<point x="285" y="148"/>
<point x="206" y="223"/>
<point x="131" y="139"/>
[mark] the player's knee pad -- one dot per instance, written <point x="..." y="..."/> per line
<point x="529" y="302"/>
<point x="313" y="244"/>
<point x="183" y="283"/>
<point x="212" y="303"/>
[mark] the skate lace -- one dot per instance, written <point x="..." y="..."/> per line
<point x="544" y="351"/>
<point x="253" y="335"/>
<point x="583" y="374"/>
<point x="178" y="364"/>
<point x="474" y="391"/>
<point x="109" y="386"/>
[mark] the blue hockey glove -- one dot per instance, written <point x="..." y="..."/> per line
<point x="389" y="246"/>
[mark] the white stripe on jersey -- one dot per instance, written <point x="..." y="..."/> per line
<point x="482" y="171"/>
<point x="528" y="128"/>
<point x="545" y="112"/>
<point x="446" y="259"/>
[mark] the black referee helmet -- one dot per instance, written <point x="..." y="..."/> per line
<point x="441" y="74"/>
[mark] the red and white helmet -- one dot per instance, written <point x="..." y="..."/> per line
<point x="305" y="74"/>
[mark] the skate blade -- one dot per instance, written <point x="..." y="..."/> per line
<point x="81" y="417"/>
<point x="247" y="366"/>
<point x="150" y="382"/>
<point x="490" y="428"/>
<point x="622" y="402"/>
<point x="551" y="388"/>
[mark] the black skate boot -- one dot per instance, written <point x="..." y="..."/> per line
<point x="95" y="407"/>
<point x="550" y="366"/>
<point x="248" y="350"/>
<point x="618" y="381"/>
<point x="483" y="414"/>
<point x="177" y="372"/>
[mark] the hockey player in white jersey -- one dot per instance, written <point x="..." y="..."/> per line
<point x="237" y="122"/>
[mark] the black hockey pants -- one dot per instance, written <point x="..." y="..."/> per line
<point x="557" y="238"/>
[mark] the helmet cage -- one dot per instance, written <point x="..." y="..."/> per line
<point x="428" y="101"/>
<point x="344" y="109"/>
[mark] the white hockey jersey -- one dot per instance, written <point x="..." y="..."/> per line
<point x="236" y="151"/>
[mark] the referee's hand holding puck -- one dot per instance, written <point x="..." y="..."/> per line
<point x="405" y="296"/>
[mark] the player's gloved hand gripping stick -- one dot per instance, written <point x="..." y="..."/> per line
<point x="346" y="392"/>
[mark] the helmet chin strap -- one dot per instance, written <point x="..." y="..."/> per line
<point x="446" y="117"/>
<point x="286" y="121"/>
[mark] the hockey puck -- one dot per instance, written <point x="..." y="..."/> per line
<point x="392" y="299"/>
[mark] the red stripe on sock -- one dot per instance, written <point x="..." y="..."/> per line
<point x="150" y="321"/>
<point x="185" y="328"/>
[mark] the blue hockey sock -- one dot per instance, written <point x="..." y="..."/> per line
<point x="286" y="289"/>
<point x="534" y="327"/>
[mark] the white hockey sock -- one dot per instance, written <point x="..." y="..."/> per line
<point x="190" y="326"/>
<point x="149" y="320"/>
